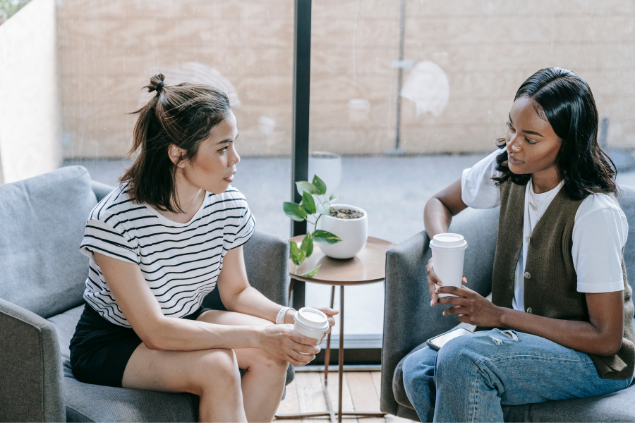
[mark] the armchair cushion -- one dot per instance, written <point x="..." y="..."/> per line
<point x="42" y="221"/>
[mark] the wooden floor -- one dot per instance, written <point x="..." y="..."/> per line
<point x="360" y="392"/>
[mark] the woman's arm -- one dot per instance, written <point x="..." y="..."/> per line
<point x="158" y="332"/>
<point x="237" y="295"/>
<point x="438" y="212"/>
<point x="602" y="335"/>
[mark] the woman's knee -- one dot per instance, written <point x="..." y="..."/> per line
<point x="460" y="356"/>
<point x="418" y="365"/>
<point x="216" y="369"/>
<point x="265" y="361"/>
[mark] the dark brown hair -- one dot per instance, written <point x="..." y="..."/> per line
<point x="565" y="100"/>
<point x="182" y="115"/>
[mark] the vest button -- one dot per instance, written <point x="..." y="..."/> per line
<point x="527" y="275"/>
<point x="529" y="310"/>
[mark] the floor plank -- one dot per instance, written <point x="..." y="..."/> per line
<point x="363" y="394"/>
<point x="347" y="402"/>
<point x="309" y="391"/>
<point x="290" y="404"/>
<point x="377" y="382"/>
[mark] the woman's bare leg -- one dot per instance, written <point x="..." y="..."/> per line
<point x="211" y="374"/>
<point x="263" y="383"/>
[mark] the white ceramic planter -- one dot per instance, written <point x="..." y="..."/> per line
<point x="353" y="232"/>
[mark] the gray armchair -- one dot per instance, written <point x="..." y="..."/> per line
<point x="42" y="278"/>
<point x="409" y="320"/>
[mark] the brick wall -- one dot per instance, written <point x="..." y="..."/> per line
<point x="486" y="48"/>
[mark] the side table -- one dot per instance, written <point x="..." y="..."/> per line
<point x="366" y="267"/>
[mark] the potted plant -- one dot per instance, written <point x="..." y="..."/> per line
<point x="341" y="229"/>
<point x="305" y="210"/>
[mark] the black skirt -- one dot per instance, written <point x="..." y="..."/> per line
<point x="100" y="350"/>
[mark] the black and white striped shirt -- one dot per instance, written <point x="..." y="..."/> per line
<point x="179" y="261"/>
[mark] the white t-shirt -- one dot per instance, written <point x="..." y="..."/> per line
<point x="179" y="261"/>
<point x="599" y="232"/>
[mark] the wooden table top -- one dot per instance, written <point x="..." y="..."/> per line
<point x="368" y="266"/>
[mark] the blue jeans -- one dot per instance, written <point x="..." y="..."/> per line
<point x="472" y="376"/>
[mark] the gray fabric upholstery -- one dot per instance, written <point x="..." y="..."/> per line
<point x="100" y="190"/>
<point x="42" y="221"/>
<point x="409" y="320"/>
<point x="267" y="262"/>
<point x="627" y="203"/>
<point x="65" y="328"/>
<point x="86" y="402"/>
<point x="30" y="368"/>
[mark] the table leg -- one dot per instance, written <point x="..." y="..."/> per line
<point x="329" y="405"/>
<point x="341" y="355"/>
<point x="327" y="361"/>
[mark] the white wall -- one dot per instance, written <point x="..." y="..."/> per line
<point x="30" y="113"/>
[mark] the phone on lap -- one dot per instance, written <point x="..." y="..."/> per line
<point x="439" y="341"/>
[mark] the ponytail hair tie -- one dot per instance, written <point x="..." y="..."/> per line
<point x="160" y="87"/>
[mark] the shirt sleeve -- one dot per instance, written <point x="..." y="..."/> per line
<point x="104" y="238"/>
<point x="244" y="228"/>
<point x="478" y="190"/>
<point x="599" y="236"/>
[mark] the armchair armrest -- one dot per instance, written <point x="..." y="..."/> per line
<point x="267" y="262"/>
<point x="31" y="367"/>
<point x="408" y="318"/>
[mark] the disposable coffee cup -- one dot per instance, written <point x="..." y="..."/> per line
<point x="312" y="323"/>
<point x="448" y="252"/>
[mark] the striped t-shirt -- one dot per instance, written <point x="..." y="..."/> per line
<point x="179" y="261"/>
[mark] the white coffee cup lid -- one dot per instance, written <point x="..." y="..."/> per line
<point x="448" y="240"/>
<point x="312" y="319"/>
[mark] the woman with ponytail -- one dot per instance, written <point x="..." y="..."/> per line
<point x="168" y="236"/>
<point x="560" y="323"/>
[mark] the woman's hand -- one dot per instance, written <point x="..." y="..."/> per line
<point x="283" y="342"/>
<point x="471" y="307"/>
<point x="329" y="313"/>
<point x="326" y="310"/>
<point x="433" y="281"/>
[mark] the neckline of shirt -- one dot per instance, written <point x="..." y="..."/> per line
<point x="167" y="221"/>
<point x="543" y="195"/>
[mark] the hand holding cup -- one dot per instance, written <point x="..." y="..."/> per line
<point x="445" y="268"/>
<point x="283" y="342"/>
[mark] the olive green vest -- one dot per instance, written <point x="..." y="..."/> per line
<point x="550" y="278"/>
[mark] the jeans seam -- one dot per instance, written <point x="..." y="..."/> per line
<point x="502" y="357"/>
<point x="474" y="396"/>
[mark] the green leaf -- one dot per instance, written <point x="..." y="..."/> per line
<point x="295" y="253"/>
<point x="294" y="211"/>
<point x="333" y="197"/>
<point x="304" y="186"/>
<point x="323" y="208"/>
<point x="325" y="237"/>
<point x="320" y="186"/>
<point x="308" y="203"/>
<point x="311" y="273"/>
<point x="307" y="245"/>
